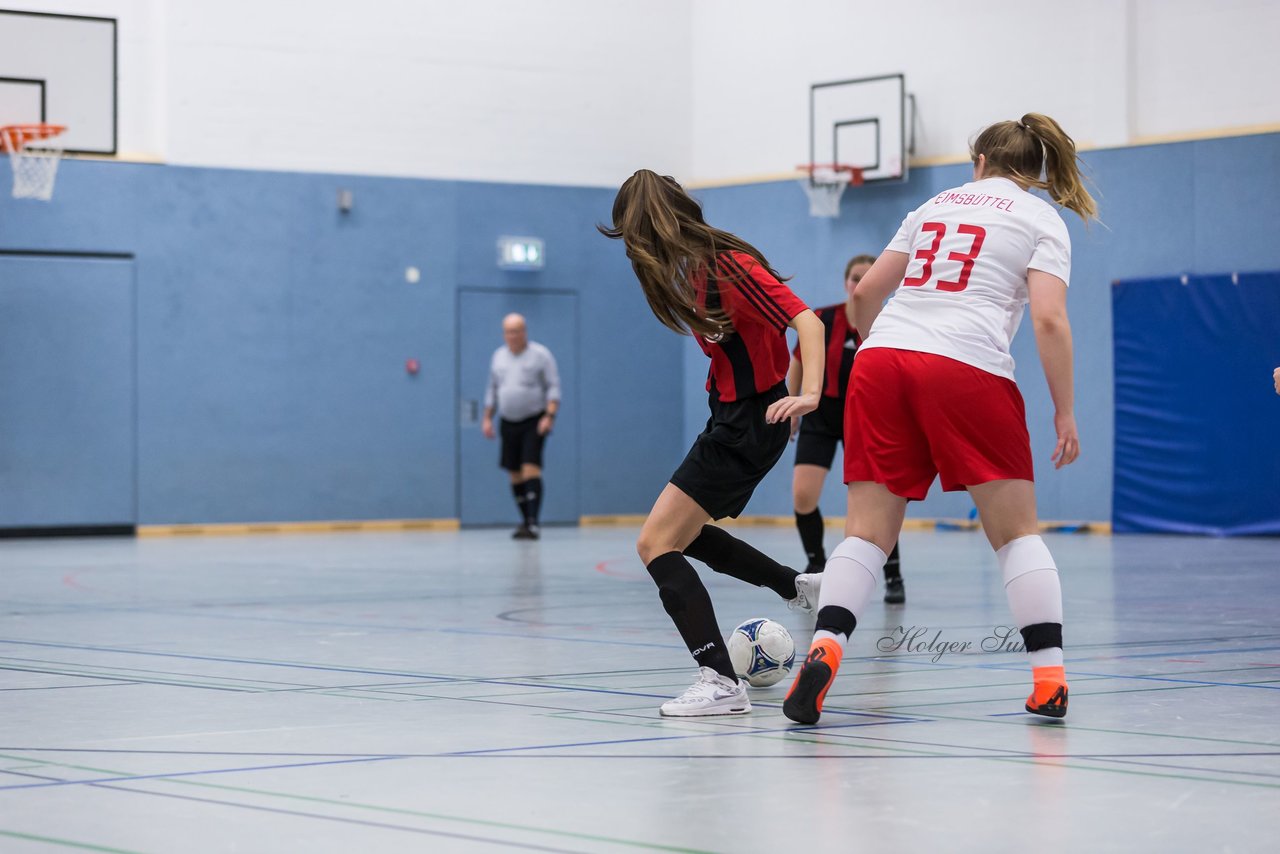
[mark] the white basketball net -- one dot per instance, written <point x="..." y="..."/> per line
<point x="824" y="190"/>
<point x="35" y="167"/>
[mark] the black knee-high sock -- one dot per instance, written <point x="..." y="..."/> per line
<point x="893" y="566"/>
<point x="522" y="502"/>
<point x="689" y="605"/>
<point x="533" y="499"/>
<point x="810" y="527"/>
<point x="726" y="554"/>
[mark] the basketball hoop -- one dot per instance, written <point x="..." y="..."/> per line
<point x="35" y="167"/>
<point x="824" y="184"/>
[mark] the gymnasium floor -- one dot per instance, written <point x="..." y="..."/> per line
<point x="463" y="692"/>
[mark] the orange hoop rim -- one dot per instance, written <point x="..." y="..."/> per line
<point x="855" y="172"/>
<point x="22" y="135"/>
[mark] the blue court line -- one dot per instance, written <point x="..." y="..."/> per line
<point x="1201" y="682"/>
<point x="1196" y="652"/>
<point x="1121" y="757"/>
<point x="374" y="628"/>
<point x="430" y="678"/>
<point x="124" y="779"/>
<point x="604" y="743"/>
<point x="1216" y="754"/>
<point x="1022" y="668"/>
<point x="225" y="660"/>
<point x="558" y="638"/>
<point x="341" y="819"/>
<point x="127" y="752"/>
<point x="386" y="757"/>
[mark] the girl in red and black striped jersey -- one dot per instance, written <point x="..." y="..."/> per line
<point x="818" y="433"/>
<point x="708" y="283"/>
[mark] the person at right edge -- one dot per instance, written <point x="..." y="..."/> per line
<point x="817" y="434"/>
<point x="933" y="391"/>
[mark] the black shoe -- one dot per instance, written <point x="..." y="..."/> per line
<point x="815" y="566"/>
<point x="523" y="533"/>
<point x="534" y="532"/>
<point x="894" y="593"/>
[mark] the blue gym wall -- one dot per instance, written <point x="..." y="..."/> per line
<point x="1209" y="206"/>
<point x="272" y="332"/>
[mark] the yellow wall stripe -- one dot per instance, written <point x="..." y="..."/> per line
<point x="220" y="529"/>
<point x="963" y="157"/>
<point x="838" y="522"/>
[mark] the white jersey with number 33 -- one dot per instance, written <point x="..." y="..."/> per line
<point x="968" y="252"/>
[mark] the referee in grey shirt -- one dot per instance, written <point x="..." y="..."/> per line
<point x="524" y="386"/>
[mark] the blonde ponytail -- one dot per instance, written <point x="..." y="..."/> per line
<point x="1033" y="146"/>
<point x="1063" y="180"/>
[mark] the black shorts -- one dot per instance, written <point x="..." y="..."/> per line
<point x="820" y="432"/>
<point x="521" y="443"/>
<point x="732" y="454"/>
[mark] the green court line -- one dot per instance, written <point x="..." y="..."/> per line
<point x="1019" y="699"/>
<point x="65" y="843"/>
<point x="1022" y="760"/>
<point x="568" y="834"/>
<point x="1012" y="721"/>
<point x="137" y="675"/>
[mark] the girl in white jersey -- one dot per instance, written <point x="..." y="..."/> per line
<point x="932" y="391"/>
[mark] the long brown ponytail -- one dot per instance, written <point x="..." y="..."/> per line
<point x="669" y="244"/>
<point x="1030" y="147"/>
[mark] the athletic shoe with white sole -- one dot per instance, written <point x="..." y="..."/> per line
<point x="712" y="694"/>
<point x="808" y="587"/>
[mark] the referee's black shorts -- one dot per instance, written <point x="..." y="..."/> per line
<point x="521" y="443"/>
<point x="732" y="454"/>
<point x="820" y="432"/>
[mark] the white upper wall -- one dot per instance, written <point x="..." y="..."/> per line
<point x="571" y="92"/>
<point x="582" y="92"/>
<point x="541" y="91"/>
<point x="1111" y="71"/>
<point x="1204" y="66"/>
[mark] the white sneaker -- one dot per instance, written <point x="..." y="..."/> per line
<point x="712" y="694"/>
<point x="808" y="588"/>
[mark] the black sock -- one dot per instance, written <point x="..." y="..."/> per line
<point x="837" y="620"/>
<point x="522" y="503"/>
<point x="893" y="566"/>
<point x="689" y="605"/>
<point x="810" y="527"/>
<point x="533" y="499"/>
<point x="728" y="555"/>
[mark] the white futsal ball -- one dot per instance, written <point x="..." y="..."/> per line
<point x="762" y="651"/>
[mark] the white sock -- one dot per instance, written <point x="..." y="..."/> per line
<point x="1035" y="594"/>
<point x="849" y="581"/>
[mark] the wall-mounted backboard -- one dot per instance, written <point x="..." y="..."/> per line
<point x="864" y="123"/>
<point x="60" y="69"/>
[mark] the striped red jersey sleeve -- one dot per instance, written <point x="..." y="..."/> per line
<point x="754" y="357"/>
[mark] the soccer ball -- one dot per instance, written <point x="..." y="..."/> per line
<point x="762" y="651"/>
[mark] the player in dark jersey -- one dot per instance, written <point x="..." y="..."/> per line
<point x="818" y="433"/>
<point x="708" y="283"/>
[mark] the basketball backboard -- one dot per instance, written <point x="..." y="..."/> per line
<point x="862" y="122"/>
<point x="60" y="69"/>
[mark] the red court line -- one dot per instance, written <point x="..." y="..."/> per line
<point x="603" y="568"/>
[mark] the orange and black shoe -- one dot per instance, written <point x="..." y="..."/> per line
<point x="1049" y="698"/>
<point x="804" y="701"/>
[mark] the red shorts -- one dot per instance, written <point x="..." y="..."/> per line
<point x="911" y="416"/>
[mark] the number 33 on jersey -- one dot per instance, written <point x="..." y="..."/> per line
<point x="966" y="284"/>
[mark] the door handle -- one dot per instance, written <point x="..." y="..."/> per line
<point x="473" y="411"/>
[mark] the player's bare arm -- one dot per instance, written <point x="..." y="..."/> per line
<point x="880" y="281"/>
<point x="813" y="362"/>
<point x="1053" y="339"/>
